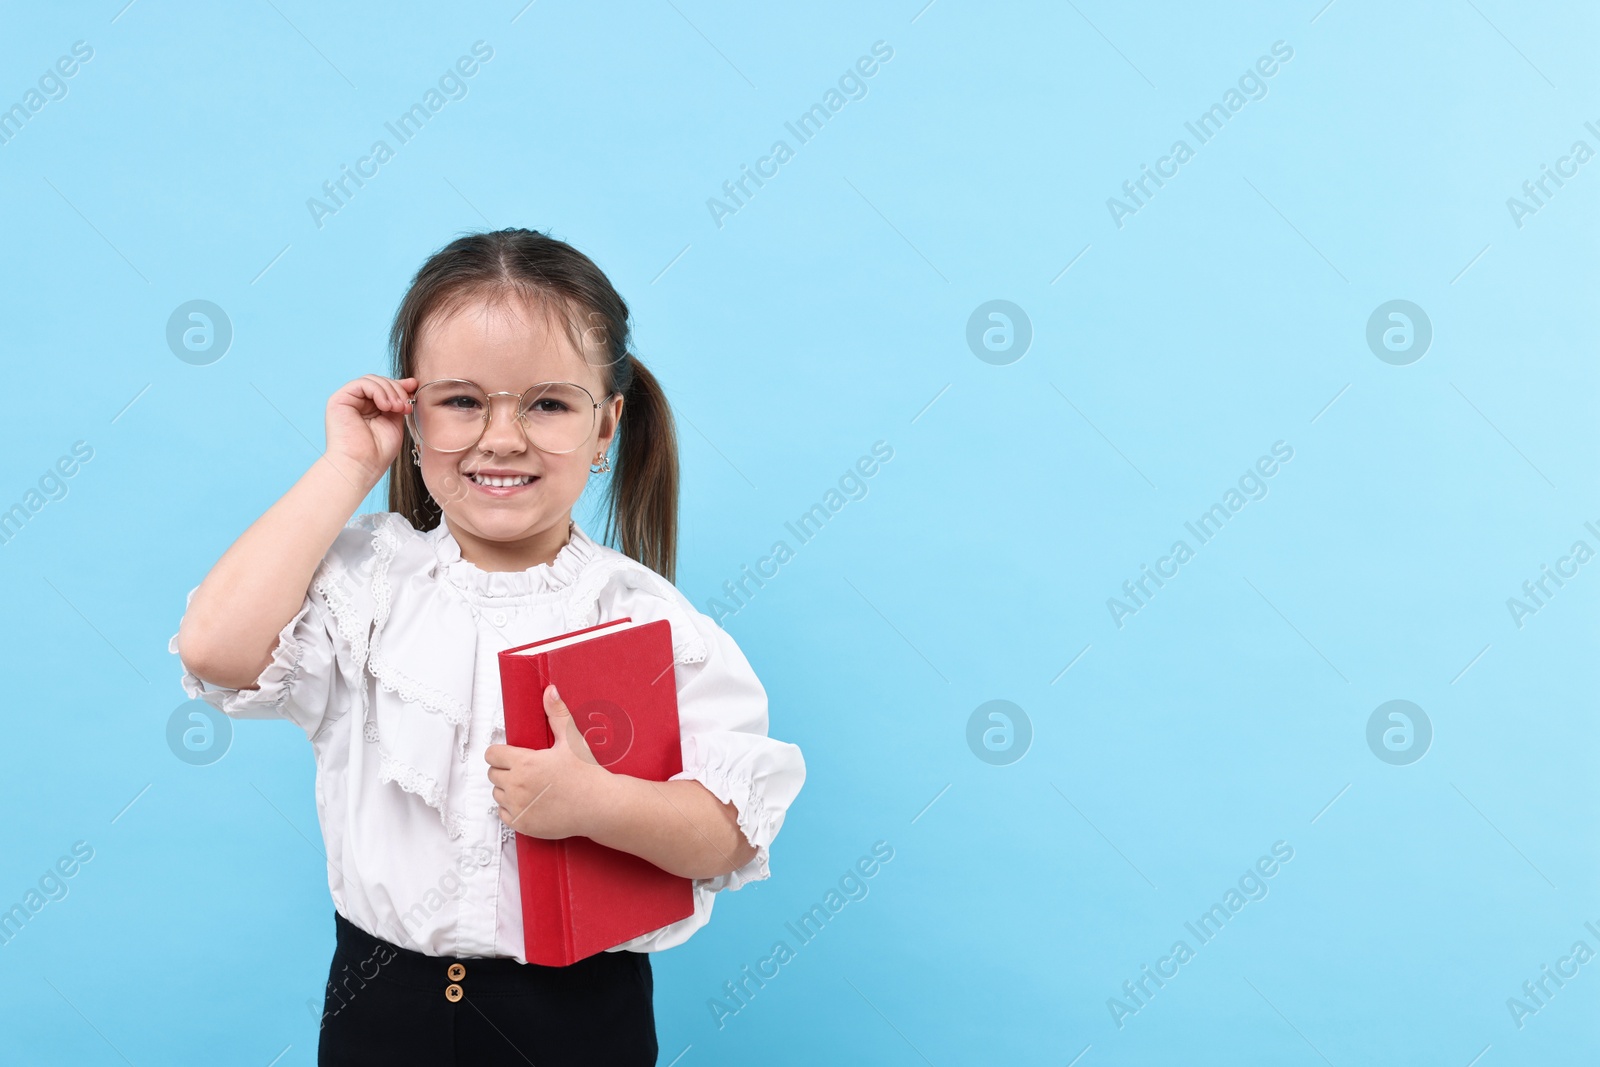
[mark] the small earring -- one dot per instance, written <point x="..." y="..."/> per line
<point x="414" y="457"/>
<point x="605" y="464"/>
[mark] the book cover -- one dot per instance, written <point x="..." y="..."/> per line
<point x="618" y="680"/>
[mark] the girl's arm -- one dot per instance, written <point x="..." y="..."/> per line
<point x="678" y="826"/>
<point x="231" y="627"/>
<point x="562" y="791"/>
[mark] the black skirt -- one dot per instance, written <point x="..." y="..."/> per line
<point x="389" y="1005"/>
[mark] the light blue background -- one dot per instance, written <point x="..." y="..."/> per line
<point x="829" y="313"/>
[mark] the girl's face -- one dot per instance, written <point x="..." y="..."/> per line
<point x="507" y="348"/>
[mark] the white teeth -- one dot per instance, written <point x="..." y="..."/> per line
<point x="500" y="483"/>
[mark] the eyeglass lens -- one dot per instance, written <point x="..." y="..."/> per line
<point x="451" y="416"/>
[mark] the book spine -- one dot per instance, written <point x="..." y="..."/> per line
<point x="543" y="672"/>
<point x="545" y="913"/>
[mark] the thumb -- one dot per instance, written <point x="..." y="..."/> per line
<point x="562" y="726"/>
<point x="555" y="711"/>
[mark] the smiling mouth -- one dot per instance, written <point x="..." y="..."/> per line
<point x="501" y="482"/>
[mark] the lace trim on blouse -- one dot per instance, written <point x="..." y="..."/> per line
<point x="385" y="544"/>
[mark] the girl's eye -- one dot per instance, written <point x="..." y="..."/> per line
<point x="460" y="403"/>
<point x="548" y="407"/>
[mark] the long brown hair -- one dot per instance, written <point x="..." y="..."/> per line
<point x="641" y="500"/>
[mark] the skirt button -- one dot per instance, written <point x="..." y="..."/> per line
<point x="452" y="992"/>
<point x="456" y="972"/>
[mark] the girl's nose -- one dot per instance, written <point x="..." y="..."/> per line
<point x="504" y="434"/>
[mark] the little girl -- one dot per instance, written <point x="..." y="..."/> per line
<point x="378" y="637"/>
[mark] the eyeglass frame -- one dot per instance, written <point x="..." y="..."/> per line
<point x="488" y="413"/>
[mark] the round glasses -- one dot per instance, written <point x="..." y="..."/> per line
<point x="451" y="414"/>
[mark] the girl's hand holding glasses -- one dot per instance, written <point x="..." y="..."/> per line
<point x="365" y="424"/>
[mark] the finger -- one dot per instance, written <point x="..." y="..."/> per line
<point x="371" y="388"/>
<point x="498" y="756"/>
<point x="554" y="706"/>
<point x="555" y="711"/>
<point x="396" y="395"/>
<point x="565" y="727"/>
<point x="562" y="728"/>
<point x="384" y="393"/>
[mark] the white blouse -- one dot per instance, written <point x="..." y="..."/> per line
<point x="390" y="667"/>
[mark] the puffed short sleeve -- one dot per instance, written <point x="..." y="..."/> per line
<point x="321" y="648"/>
<point x="722" y="715"/>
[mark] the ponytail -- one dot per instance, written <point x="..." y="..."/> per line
<point x="641" y="502"/>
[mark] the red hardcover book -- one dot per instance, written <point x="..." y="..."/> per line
<point x="618" y="680"/>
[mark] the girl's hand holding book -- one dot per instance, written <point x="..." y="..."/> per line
<point x="366" y="422"/>
<point x="548" y="793"/>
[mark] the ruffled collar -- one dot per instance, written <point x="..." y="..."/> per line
<point x="558" y="574"/>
